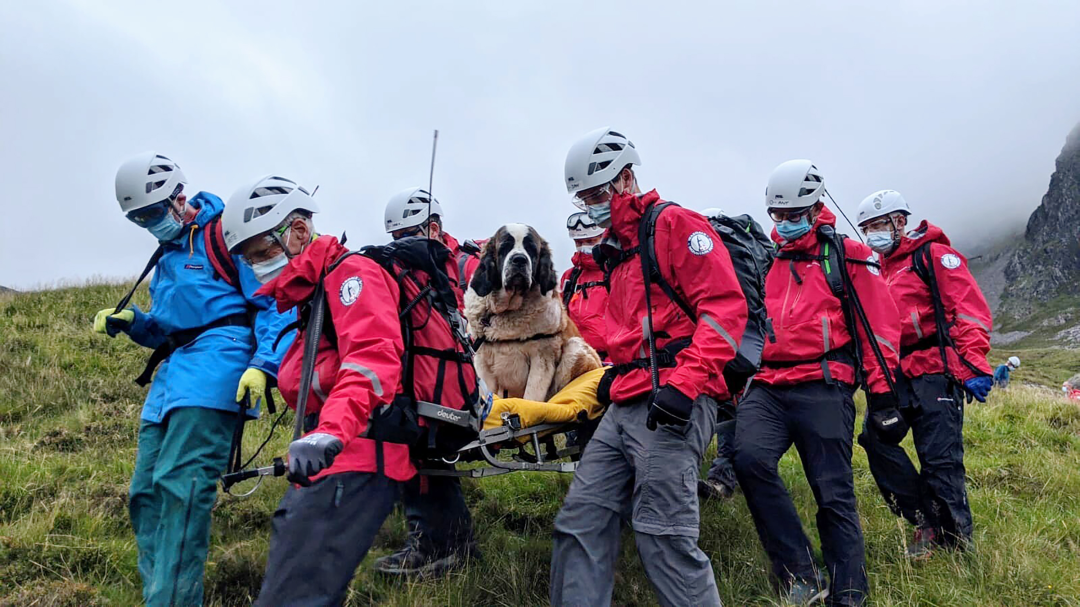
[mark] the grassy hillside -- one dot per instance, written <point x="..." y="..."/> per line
<point x="68" y="419"/>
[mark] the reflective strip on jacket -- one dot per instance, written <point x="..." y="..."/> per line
<point x="184" y="294"/>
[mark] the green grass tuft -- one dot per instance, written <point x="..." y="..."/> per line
<point x="68" y="423"/>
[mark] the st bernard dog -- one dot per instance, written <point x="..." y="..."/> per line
<point x="528" y="346"/>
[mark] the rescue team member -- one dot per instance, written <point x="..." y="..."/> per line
<point x="584" y="291"/>
<point x="1001" y="374"/>
<point x="190" y="413"/>
<point x="440" y="531"/>
<point x="720" y="482"/>
<point x="934" y="498"/>
<point x="408" y="213"/>
<point x="803" y="394"/>
<point x="324" y="526"/>
<point x="641" y="464"/>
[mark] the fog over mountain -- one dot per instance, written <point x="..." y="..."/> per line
<point x="962" y="106"/>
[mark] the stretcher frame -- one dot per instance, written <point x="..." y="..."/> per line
<point x="508" y="436"/>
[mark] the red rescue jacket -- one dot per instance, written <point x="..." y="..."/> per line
<point x="452" y="268"/>
<point x="966" y="309"/>
<point x="364" y="371"/>
<point x="588" y="303"/>
<point x="687" y="251"/>
<point x="806" y="321"/>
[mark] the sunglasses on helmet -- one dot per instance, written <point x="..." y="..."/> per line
<point x="578" y="221"/>
<point x="152" y="214"/>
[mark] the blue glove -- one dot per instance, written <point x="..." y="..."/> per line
<point x="979" y="387"/>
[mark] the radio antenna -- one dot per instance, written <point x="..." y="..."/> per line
<point x="838" y="208"/>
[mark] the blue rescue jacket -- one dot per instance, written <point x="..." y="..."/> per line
<point x="185" y="295"/>
<point x="1001" y="376"/>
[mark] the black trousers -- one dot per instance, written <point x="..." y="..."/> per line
<point x="722" y="469"/>
<point x="934" y="496"/>
<point x="435" y="509"/>
<point x="320" y="534"/>
<point x="819" y="420"/>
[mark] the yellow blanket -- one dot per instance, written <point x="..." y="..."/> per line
<point x="579" y="395"/>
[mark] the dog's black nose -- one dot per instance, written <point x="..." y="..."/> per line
<point x="519" y="259"/>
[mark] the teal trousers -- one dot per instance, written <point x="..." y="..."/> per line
<point x="172" y="492"/>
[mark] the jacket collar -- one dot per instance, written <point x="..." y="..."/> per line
<point x="585" y="262"/>
<point x="296" y="283"/>
<point x="924" y="233"/>
<point x="807" y="242"/>
<point x="626" y="213"/>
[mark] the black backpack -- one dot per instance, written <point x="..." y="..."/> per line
<point x="430" y="306"/>
<point x="751" y="253"/>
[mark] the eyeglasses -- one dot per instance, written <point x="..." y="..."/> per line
<point x="593" y="196"/>
<point x="149" y="215"/>
<point x="409" y="232"/>
<point x="779" y="215"/>
<point x="882" y="223"/>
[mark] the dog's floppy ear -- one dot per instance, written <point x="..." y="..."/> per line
<point x="488" y="276"/>
<point x="544" y="271"/>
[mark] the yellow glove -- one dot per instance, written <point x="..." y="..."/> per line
<point x="121" y="321"/>
<point x="253" y="381"/>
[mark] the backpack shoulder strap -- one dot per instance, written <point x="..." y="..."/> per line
<point x="223" y="263"/>
<point x="571" y="284"/>
<point x="922" y="265"/>
<point x="647" y="245"/>
<point x="833" y="261"/>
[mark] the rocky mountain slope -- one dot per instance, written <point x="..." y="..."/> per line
<point x="1033" y="285"/>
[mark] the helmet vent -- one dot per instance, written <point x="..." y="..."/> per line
<point x="608" y="147"/>
<point x="269" y="191"/>
<point x="153" y="185"/>
<point x="159" y="168"/>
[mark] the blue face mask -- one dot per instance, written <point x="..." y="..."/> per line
<point x="167" y="229"/>
<point x="600" y="214"/>
<point x="793" y="230"/>
<point x="880" y="241"/>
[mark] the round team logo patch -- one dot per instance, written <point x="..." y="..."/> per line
<point x="699" y="243"/>
<point x="950" y="261"/>
<point x="350" y="290"/>
<point x="873" y="267"/>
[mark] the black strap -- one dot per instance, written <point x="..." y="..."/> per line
<point x="924" y="258"/>
<point x="312" y="333"/>
<point x="571" y="284"/>
<point x="843" y="355"/>
<point x="665" y="358"/>
<point x="644" y="235"/>
<point x="648" y="251"/>
<point x="179" y="339"/>
<point x="154" y="259"/>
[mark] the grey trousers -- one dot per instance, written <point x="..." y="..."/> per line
<point x="649" y="478"/>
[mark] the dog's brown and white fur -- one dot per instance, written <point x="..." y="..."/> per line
<point x="531" y="349"/>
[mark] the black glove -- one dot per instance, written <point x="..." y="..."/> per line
<point x="889" y="425"/>
<point x="603" y="389"/>
<point x="310" y="455"/>
<point x="669" y="407"/>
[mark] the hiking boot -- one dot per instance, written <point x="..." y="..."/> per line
<point x="926" y="538"/>
<point x="709" y="489"/>
<point x="419" y="561"/>
<point x="806" y="592"/>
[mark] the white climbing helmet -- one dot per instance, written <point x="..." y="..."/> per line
<point x="596" y="159"/>
<point x="714" y="213"/>
<point x="880" y="204"/>
<point x="795" y="184"/>
<point x="410" y="208"/>
<point x="1015" y="362"/>
<point x="580" y="225"/>
<point x="262" y="206"/>
<point x="147" y="179"/>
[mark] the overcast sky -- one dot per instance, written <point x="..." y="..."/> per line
<point x="962" y="106"/>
